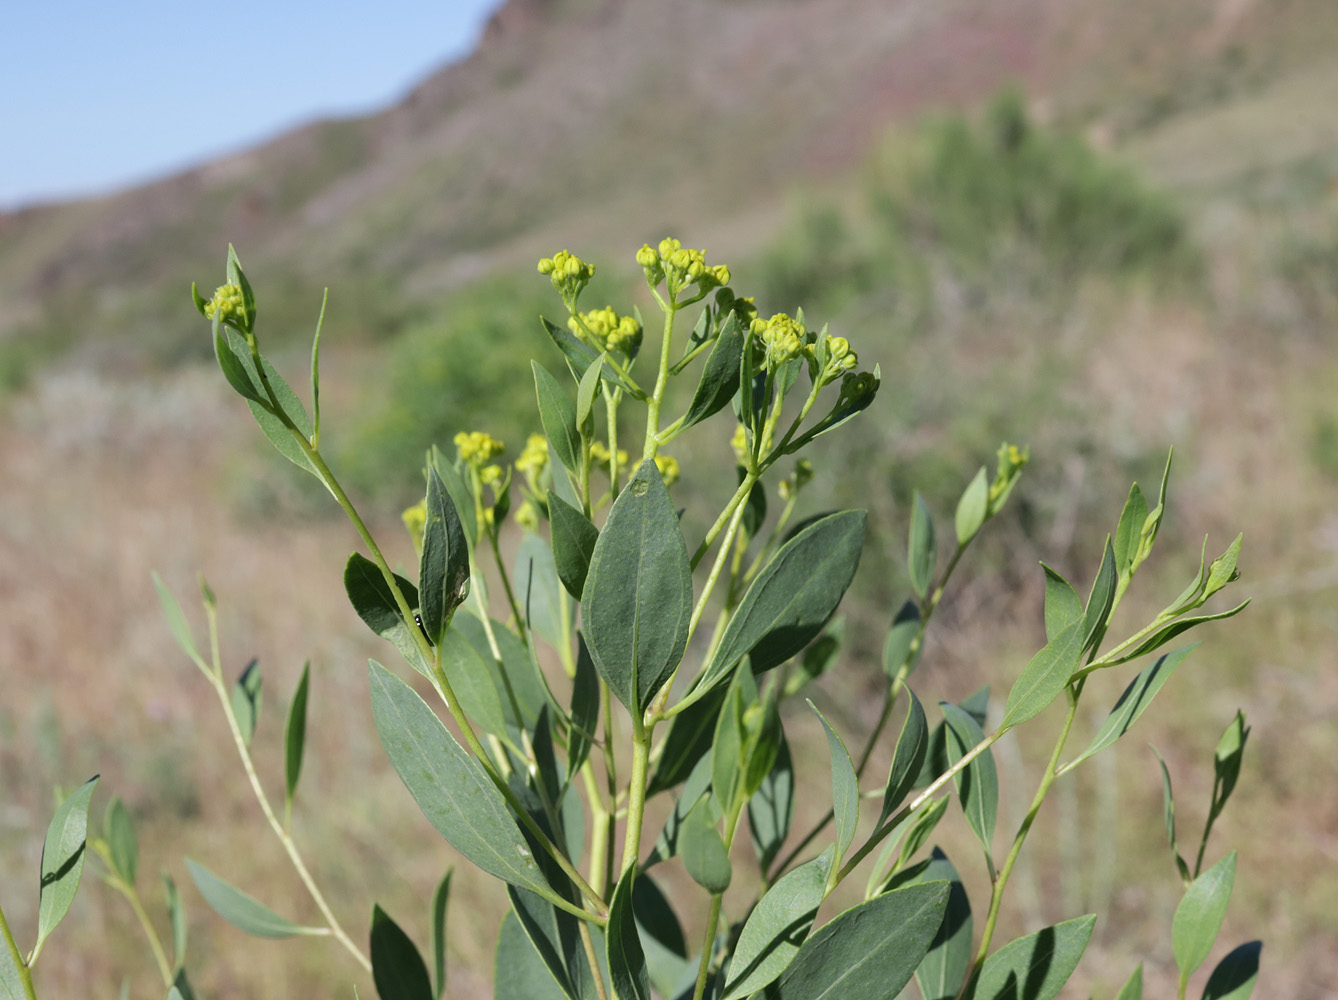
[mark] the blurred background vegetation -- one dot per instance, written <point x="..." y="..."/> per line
<point x="1104" y="232"/>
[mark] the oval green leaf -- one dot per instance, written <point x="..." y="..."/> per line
<point x="1235" y="975"/>
<point x="63" y="859"/>
<point x="845" y="787"/>
<point x="1046" y="676"/>
<point x="978" y="783"/>
<point x="972" y="508"/>
<point x="374" y="602"/>
<point x="922" y="549"/>
<point x="720" y="376"/>
<point x="1198" y="918"/>
<point x="518" y="971"/>
<point x="121" y="841"/>
<point x="450" y="786"/>
<point x="907" y="759"/>
<point x="243" y="911"/>
<point x="637" y="599"/>
<point x="574" y="540"/>
<point x="295" y="734"/>
<point x="942" y="970"/>
<point x="397" y="968"/>
<point x="443" y="572"/>
<point x="704" y="853"/>
<point x="1037" y="966"/>
<point x="557" y="413"/>
<point x="791" y="600"/>
<point x="868" y="951"/>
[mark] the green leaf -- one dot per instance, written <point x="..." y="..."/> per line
<point x="1162" y="636"/>
<point x="587" y="391"/>
<point x="627" y="962"/>
<point x="518" y="971"/>
<point x="584" y="708"/>
<point x="704" y="853"/>
<point x="1133" y="986"/>
<point x="238" y="375"/>
<point x="637" y="599"/>
<point x="922" y="550"/>
<point x="439" y="900"/>
<point x="695" y="787"/>
<point x="818" y="657"/>
<point x="1134" y="701"/>
<point x="1235" y="975"/>
<point x="236" y="276"/>
<point x="691" y="734"/>
<point x="1223" y="569"/>
<point x="1100" y="601"/>
<point x="1130" y="531"/>
<point x="943" y="969"/>
<point x="1063" y="606"/>
<point x="374" y="602"/>
<point x="662" y="939"/>
<point x="443" y="574"/>
<point x="720" y="376"/>
<point x="908" y="759"/>
<point x="776" y="928"/>
<point x="791" y="599"/>
<point x="897" y="651"/>
<point x="1037" y="966"/>
<point x="295" y="734"/>
<point x="556" y="939"/>
<point x="1227" y="760"/>
<point x="176" y="916"/>
<point x="271" y="425"/>
<point x="578" y="353"/>
<point x="459" y="493"/>
<point x="972" y="508"/>
<point x="866" y="952"/>
<point x="515" y="684"/>
<point x="472" y="674"/>
<point x="241" y="910"/>
<point x="1045" y="677"/>
<point x="246" y="698"/>
<point x="1168" y="816"/>
<point x="1198" y="918"/>
<point x="11" y="971"/>
<point x="176" y="622"/>
<point x="450" y="786"/>
<point x="771" y="810"/>
<point x="121" y="842"/>
<point x="557" y="413"/>
<point x="845" y="787"/>
<point x="538" y="590"/>
<point x="63" y="860"/>
<point x="978" y="783"/>
<point x="397" y="968"/>
<point x="727" y="778"/>
<point x="574" y="540"/>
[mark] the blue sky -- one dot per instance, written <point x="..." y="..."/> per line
<point x="95" y="96"/>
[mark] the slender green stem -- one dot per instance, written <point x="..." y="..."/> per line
<point x="652" y="445"/>
<point x="721" y="557"/>
<point x="25" y="974"/>
<point x="929" y="792"/>
<point x="155" y="943"/>
<point x="588" y="943"/>
<point x="636" y="791"/>
<point x="506" y="587"/>
<point x="289" y="846"/>
<point x="740" y="494"/>
<point x="611" y="400"/>
<point x="1047" y="779"/>
<point x="610" y="779"/>
<point x="708" y="946"/>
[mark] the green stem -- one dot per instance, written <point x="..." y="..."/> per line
<point x="25" y="975"/>
<point x="721" y="557"/>
<point x="636" y="791"/>
<point x="1047" y="779"/>
<point x="611" y="400"/>
<point x="651" y="445"/>
<point x="588" y="943"/>
<point x="132" y="897"/>
<point x="740" y="494"/>
<point x="290" y="848"/>
<point x="708" y="942"/>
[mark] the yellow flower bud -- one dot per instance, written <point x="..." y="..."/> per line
<point x="229" y="304"/>
<point x="669" y="470"/>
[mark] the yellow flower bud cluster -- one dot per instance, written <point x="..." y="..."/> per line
<point x="739" y="442"/>
<point x="680" y="267"/>
<point x="727" y="302"/>
<point x="1012" y="460"/>
<point x="477" y="448"/>
<point x="527" y="516"/>
<point x="610" y="331"/>
<point x="600" y="453"/>
<point x="568" y="273"/>
<point x="782" y="338"/>
<point x="415" y="522"/>
<point x="836" y="360"/>
<point x="669" y="470"/>
<point x="534" y="458"/>
<point x="229" y="304"/>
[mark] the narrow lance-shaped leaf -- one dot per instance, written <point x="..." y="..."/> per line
<point x="1129" y="534"/>
<point x="587" y="391"/>
<point x="662" y="940"/>
<point x="375" y="604"/>
<point x="449" y="785"/>
<point x="557" y="413"/>
<point x="176" y="622"/>
<point x="1164" y="635"/>
<point x="11" y="971"/>
<point x="1168" y="815"/>
<point x="1199" y="916"/>
<point x="922" y="549"/>
<point x="1133" y="986"/>
<point x="246" y="699"/>
<point x="845" y="787"/>
<point x="1037" y="966"/>
<point x="627" y="962"/>
<point x="584" y="708"/>
<point x="792" y="598"/>
<point x="241" y="910"/>
<point x="271" y="425"/>
<point x="1226" y="761"/>
<point x="1063" y="606"/>
<point x="517" y="970"/>
<point x="870" y="950"/>
<point x="121" y="841"/>
<point x="972" y="508"/>
<point x="720" y="376"/>
<point x="978" y="783"/>
<point x="574" y="540"/>
<point x="771" y="810"/>
<point x="1134" y="701"/>
<point x="942" y="970"/>
<point x="898" y="655"/>
<point x="908" y="758"/>
<point x="1101" y="600"/>
<point x="1045" y="676"/>
<point x="637" y="600"/>
<point x="443" y="575"/>
<point x="439" y="900"/>
<point x="176" y="917"/>
<point x="295" y="734"/>
<point x="776" y="928"/>
<point x="63" y="860"/>
<point x="397" y="968"/>
<point x="1235" y="975"/>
